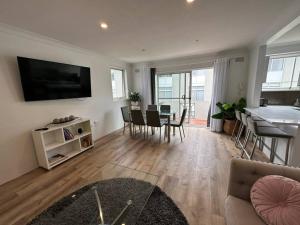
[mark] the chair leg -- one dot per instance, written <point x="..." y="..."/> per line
<point x="183" y="130"/>
<point x="273" y="147"/>
<point x="235" y="125"/>
<point x="246" y="139"/>
<point x="239" y="135"/>
<point x="180" y="133"/>
<point x="254" y="146"/>
<point x="159" y="134"/>
<point x="147" y="132"/>
<point x="124" y="128"/>
<point x="287" y="152"/>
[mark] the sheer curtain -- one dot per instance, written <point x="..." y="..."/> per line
<point x="146" y="86"/>
<point x="219" y="90"/>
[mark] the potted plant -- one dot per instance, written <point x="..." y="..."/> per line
<point x="227" y="113"/>
<point x="134" y="97"/>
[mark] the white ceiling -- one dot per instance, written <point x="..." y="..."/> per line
<point x="165" y="28"/>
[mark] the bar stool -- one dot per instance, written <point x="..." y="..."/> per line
<point x="266" y="131"/>
<point x="259" y="123"/>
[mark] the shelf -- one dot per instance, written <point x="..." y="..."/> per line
<point x="56" y="145"/>
<point x="86" y="133"/>
<point x="53" y="146"/>
<point x="52" y="142"/>
<point x="84" y="149"/>
<point x="61" y="160"/>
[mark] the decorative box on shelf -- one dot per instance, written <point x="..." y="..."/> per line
<point x="58" y="143"/>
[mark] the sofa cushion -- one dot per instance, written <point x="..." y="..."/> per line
<point x="240" y="212"/>
<point x="277" y="200"/>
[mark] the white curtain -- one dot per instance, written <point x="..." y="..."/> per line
<point x="146" y="86"/>
<point x="219" y="90"/>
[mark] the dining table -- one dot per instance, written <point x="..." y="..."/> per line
<point x="166" y="115"/>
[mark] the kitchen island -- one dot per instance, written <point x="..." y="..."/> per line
<point x="287" y="118"/>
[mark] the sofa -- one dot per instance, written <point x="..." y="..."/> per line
<point x="243" y="174"/>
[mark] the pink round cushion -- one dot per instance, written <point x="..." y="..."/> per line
<point x="276" y="200"/>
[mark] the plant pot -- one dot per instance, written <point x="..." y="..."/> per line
<point x="134" y="103"/>
<point x="228" y="126"/>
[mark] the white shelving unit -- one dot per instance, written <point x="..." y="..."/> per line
<point x="52" y="142"/>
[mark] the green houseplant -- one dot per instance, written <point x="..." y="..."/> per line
<point x="227" y="113"/>
<point x="134" y="97"/>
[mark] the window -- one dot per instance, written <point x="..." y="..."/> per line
<point x="283" y="74"/>
<point x="198" y="93"/>
<point x="276" y="64"/>
<point x="117" y="83"/>
<point x="165" y="83"/>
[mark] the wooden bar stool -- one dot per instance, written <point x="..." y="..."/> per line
<point x="269" y="132"/>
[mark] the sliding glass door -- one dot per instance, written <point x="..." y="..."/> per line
<point x="174" y="89"/>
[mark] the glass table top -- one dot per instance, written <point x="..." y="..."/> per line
<point x="117" y="197"/>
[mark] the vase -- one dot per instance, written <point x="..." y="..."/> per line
<point x="134" y="103"/>
<point x="228" y="126"/>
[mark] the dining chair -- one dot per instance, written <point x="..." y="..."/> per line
<point x="180" y="123"/>
<point x="165" y="108"/>
<point x="125" y="115"/>
<point x="153" y="120"/>
<point x="152" y="107"/>
<point x="138" y="120"/>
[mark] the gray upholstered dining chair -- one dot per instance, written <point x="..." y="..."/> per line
<point x="180" y="123"/>
<point x="165" y="108"/>
<point x="152" y="107"/>
<point x="153" y="120"/>
<point x="125" y="115"/>
<point x="138" y="120"/>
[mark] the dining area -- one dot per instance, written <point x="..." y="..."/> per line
<point x="156" y="118"/>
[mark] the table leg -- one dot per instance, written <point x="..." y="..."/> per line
<point x="174" y="118"/>
<point x="169" y="130"/>
<point x="130" y="128"/>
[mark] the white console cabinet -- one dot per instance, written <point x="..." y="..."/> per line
<point x="53" y="147"/>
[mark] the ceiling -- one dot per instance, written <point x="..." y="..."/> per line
<point x="164" y="28"/>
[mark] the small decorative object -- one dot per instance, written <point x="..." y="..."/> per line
<point x="68" y="134"/>
<point x="80" y="130"/>
<point x="227" y="113"/>
<point x="64" y="120"/>
<point x="86" y="142"/>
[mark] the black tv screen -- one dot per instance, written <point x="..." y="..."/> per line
<point x="43" y="80"/>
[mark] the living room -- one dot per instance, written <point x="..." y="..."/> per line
<point x="67" y="151"/>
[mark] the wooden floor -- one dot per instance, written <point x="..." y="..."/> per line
<point x="193" y="173"/>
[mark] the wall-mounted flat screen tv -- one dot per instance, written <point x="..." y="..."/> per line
<point x="44" y="80"/>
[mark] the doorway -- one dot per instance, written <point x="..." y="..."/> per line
<point x="190" y="89"/>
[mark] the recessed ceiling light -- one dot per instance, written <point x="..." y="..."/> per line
<point x="190" y="1"/>
<point x="143" y="50"/>
<point x="103" y="25"/>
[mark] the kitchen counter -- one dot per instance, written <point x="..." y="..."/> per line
<point x="287" y="118"/>
<point x="288" y="115"/>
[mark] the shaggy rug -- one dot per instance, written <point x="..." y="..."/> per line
<point x="80" y="207"/>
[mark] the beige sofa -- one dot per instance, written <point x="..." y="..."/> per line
<point x="243" y="174"/>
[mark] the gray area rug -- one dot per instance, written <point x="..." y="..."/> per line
<point x="80" y="208"/>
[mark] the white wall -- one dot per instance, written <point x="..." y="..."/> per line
<point x="258" y="66"/>
<point x="18" y="118"/>
<point x="238" y="72"/>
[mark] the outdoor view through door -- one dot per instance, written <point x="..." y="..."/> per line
<point x="191" y="90"/>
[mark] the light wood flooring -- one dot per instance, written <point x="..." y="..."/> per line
<point x="193" y="173"/>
